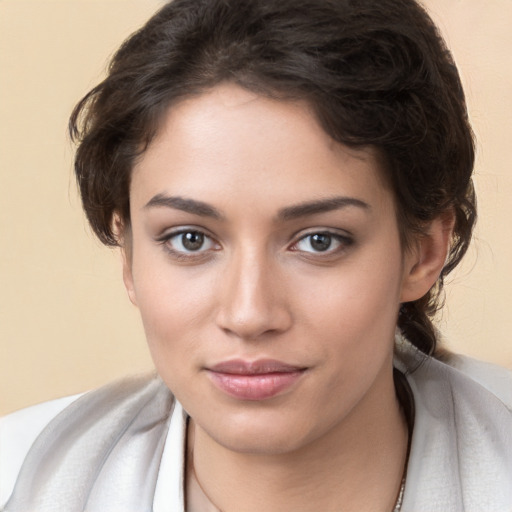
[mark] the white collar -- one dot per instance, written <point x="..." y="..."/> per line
<point x="170" y="484"/>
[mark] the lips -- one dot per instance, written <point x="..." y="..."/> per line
<point x="255" y="380"/>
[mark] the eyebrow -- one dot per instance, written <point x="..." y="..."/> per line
<point x="185" y="205"/>
<point x="320" y="206"/>
<point x="290" y="212"/>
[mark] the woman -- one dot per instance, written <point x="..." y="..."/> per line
<point x="289" y="182"/>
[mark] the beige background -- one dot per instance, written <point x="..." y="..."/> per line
<point x="65" y="323"/>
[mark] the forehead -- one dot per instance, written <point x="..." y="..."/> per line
<point x="232" y="141"/>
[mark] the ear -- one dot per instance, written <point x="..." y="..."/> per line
<point x="424" y="262"/>
<point x="123" y="234"/>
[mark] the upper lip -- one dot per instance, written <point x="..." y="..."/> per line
<point x="261" y="366"/>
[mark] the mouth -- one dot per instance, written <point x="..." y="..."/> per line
<point x="255" y="380"/>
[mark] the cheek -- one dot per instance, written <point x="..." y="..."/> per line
<point x="354" y="294"/>
<point x="174" y="304"/>
<point x="173" y="313"/>
<point x="354" y="311"/>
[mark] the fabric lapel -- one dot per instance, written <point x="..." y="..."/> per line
<point x="101" y="453"/>
<point x="461" y="454"/>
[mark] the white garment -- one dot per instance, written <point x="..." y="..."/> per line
<point x="460" y="461"/>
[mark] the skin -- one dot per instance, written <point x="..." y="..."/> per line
<point x="258" y="289"/>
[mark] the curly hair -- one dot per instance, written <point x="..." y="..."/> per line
<point x="376" y="73"/>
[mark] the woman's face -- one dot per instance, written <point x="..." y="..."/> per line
<point x="266" y="263"/>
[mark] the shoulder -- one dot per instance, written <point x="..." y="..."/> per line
<point x="461" y="375"/>
<point x="460" y="448"/>
<point x="463" y="386"/>
<point x="466" y="384"/>
<point x="79" y="437"/>
<point x="18" y="431"/>
<point x="494" y="378"/>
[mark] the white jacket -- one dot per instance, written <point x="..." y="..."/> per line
<point x="110" y="450"/>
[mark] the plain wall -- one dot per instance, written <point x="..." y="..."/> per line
<point x="65" y="322"/>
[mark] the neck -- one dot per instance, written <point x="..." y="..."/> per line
<point x="357" y="466"/>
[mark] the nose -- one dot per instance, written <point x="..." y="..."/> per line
<point x="252" y="302"/>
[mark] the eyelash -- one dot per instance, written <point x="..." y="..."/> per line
<point x="342" y="243"/>
<point x="184" y="255"/>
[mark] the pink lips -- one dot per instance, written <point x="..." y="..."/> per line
<point x="257" y="380"/>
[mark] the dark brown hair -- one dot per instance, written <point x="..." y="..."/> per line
<point x="376" y="73"/>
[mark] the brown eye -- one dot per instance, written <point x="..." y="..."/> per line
<point x="188" y="241"/>
<point x="320" y="242"/>
<point x="316" y="243"/>
<point x="192" y="241"/>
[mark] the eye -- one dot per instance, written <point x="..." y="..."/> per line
<point x="322" y="242"/>
<point x="188" y="241"/>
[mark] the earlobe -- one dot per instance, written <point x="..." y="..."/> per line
<point x="425" y="261"/>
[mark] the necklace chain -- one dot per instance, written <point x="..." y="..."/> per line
<point x="398" y="504"/>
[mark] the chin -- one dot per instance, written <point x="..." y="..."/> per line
<point x="269" y="444"/>
<point x="260" y="433"/>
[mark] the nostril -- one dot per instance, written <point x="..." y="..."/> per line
<point x="255" y="324"/>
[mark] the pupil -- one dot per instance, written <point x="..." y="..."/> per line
<point x="192" y="241"/>
<point x="320" y="242"/>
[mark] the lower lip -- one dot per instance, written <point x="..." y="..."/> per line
<point x="255" y="387"/>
